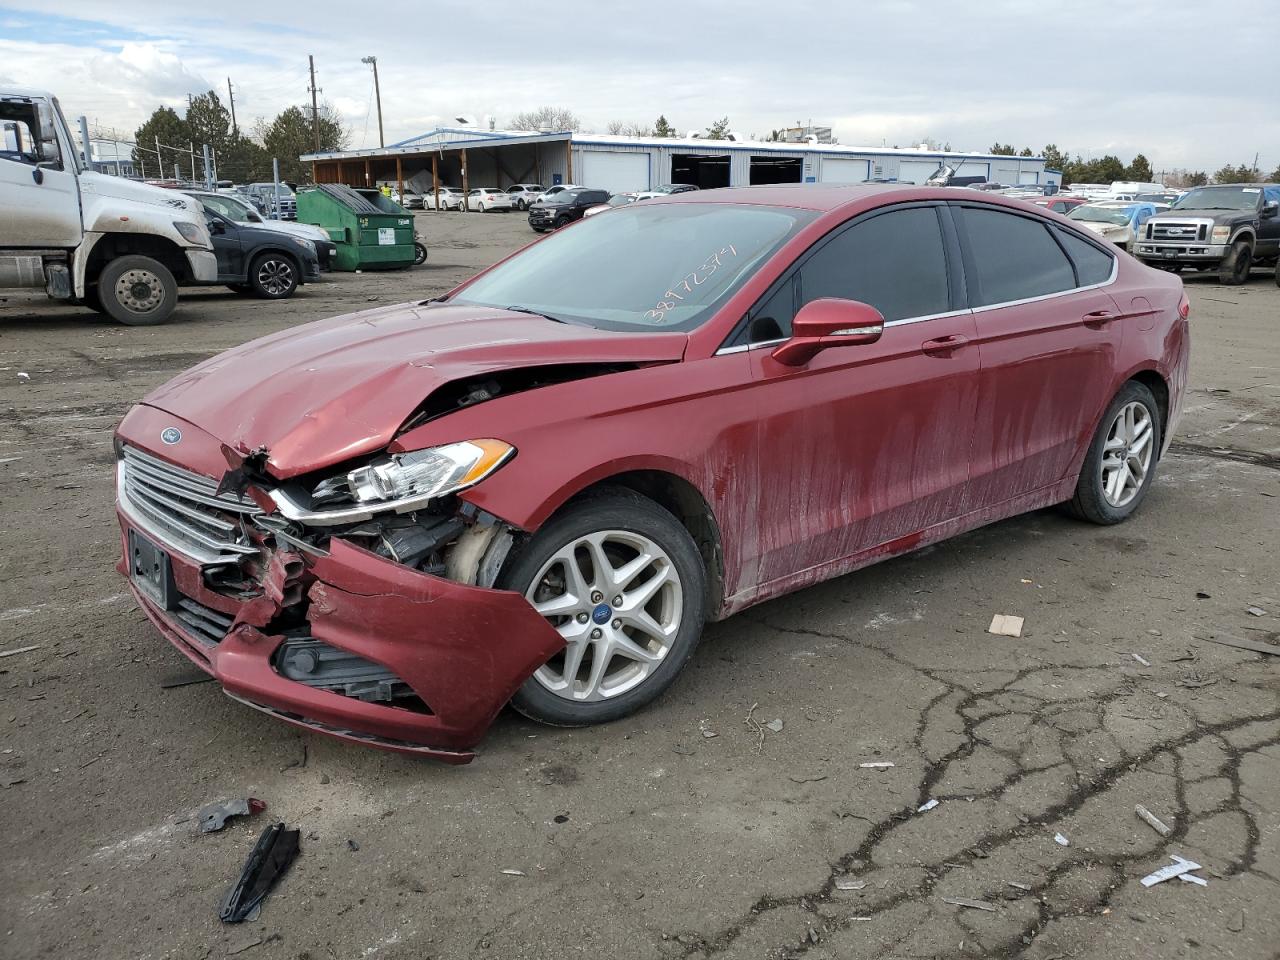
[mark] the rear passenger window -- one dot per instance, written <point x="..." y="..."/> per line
<point x="1015" y="258"/>
<point x="894" y="261"/>
<point x="1092" y="264"/>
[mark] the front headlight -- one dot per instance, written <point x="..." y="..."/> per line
<point x="400" y="482"/>
<point x="305" y="244"/>
<point x="1221" y="234"/>
<point x="190" y="232"/>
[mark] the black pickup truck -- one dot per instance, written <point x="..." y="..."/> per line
<point x="1228" y="227"/>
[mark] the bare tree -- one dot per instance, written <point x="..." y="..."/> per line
<point x="618" y="128"/>
<point x="557" y="119"/>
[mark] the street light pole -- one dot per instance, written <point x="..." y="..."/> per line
<point x="377" y="93"/>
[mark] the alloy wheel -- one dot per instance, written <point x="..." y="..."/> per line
<point x="617" y="600"/>
<point x="1126" y="454"/>
<point x="140" y="291"/>
<point x="275" y="277"/>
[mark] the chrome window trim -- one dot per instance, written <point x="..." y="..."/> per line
<point x="744" y="347"/>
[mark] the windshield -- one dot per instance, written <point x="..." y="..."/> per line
<point x="233" y="210"/>
<point x="1100" y="214"/>
<point x="1220" y="198"/>
<point x="683" y="261"/>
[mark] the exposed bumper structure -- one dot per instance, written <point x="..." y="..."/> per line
<point x="453" y="654"/>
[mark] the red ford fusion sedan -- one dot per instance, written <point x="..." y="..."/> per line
<point x="538" y="488"/>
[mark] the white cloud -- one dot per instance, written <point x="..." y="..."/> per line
<point x="145" y="71"/>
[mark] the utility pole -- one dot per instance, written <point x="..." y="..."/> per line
<point x="315" y="110"/>
<point x="377" y="93"/>
<point x="231" y="96"/>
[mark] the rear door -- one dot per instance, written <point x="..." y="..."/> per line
<point x="866" y="445"/>
<point x="1048" y="335"/>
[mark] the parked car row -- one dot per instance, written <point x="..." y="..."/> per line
<point x="557" y="208"/>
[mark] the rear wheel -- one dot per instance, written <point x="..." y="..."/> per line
<point x="1121" y="463"/>
<point x="273" y="276"/>
<point x="137" y="291"/>
<point x="419" y="253"/>
<point x="622" y="582"/>
<point x="1234" y="269"/>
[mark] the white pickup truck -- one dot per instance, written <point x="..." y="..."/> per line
<point x="115" y="245"/>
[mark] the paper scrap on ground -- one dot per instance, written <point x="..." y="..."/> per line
<point x="971" y="904"/>
<point x="1005" y="625"/>
<point x="875" y="766"/>
<point x="1061" y="840"/>
<point x="1169" y="871"/>
<point x="927" y="806"/>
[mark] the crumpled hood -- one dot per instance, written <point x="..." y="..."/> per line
<point x="120" y="188"/>
<point x="325" y="392"/>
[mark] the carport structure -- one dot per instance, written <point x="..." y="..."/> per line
<point x="452" y="157"/>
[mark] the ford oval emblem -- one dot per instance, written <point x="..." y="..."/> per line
<point x="170" y="435"/>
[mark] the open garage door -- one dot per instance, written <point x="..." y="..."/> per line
<point x="615" y="172"/>
<point x="706" y="171"/>
<point x="776" y="170"/>
<point x="844" y="170"/>
<point x="916" y="171"/>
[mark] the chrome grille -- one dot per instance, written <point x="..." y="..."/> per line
<point x="183" y="511"/>
<point x="1189" y="231"/>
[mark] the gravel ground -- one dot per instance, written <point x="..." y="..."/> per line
<point x="678" y="832"/>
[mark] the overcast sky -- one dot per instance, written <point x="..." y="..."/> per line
<point x="1105" y="78"/>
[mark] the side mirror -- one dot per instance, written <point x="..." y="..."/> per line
<point x="829" y="322"/>
<point x="1270" y="209"/>
<point x="216" y="225"/>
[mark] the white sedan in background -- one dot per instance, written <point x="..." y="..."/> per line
<point x="523" y="195"/>
<point x="485" y="199"/>
<point x="450" y="199"/>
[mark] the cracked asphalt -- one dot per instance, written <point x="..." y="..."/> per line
<point x="690" y="830"/>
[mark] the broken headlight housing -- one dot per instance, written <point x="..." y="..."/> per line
<point x="401" y="482"/>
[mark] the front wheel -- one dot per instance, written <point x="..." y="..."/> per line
<point x="1121" y="463"/>
<point x="1235" y="266"/>
<point x="622" y="582"/>
<point x="137" y="291"/>
<point x="419" y="253"/>
<point x="273" y="276"/>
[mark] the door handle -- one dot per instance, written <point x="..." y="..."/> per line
<point x="944" y="346"/>
<point x="1099" y="318"/>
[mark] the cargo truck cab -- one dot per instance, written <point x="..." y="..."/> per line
<point x="117" y="246"/>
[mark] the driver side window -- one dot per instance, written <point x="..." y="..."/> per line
<point x="19" y="136"/>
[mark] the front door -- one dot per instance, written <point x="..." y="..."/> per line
<point x="41" y="204"/>
<point x="227" y="248"/>
<point x="866" y="445"/>
<point x="1048" y="334"/>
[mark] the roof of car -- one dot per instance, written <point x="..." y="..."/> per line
<point x="808" y="196"/>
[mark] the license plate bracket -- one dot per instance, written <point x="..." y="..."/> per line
<point x="151" y="571"/>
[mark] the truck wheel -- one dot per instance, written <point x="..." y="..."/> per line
<point x="1234" y="269"/>
<point x="273" y="276"/>
<point x="137" y="291"/>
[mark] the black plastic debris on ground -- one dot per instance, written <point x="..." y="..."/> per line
<point x="272" y="855"/>
<point x="214" y="816"/>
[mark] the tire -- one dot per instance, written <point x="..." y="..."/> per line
<point x="137" y="291"/>
<point x="273" y="276"/>
<point x="1093" y="499"/>
<point x="419" y="253"/>
<point x="623" y="666"/>
<point x="560" y="222"/>
<point x="539" y="229"/>
<point x="1234" y="269"/>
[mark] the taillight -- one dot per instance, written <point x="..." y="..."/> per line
<point x="1184" y="307"/>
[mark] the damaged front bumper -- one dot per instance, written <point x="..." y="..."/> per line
<point x="344" y="642"/>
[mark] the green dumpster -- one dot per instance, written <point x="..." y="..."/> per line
<point x="371" y="230"/>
